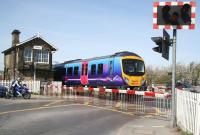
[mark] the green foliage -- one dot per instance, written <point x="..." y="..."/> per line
<point x="185" y="133"/>
<point x="189" y="73"/>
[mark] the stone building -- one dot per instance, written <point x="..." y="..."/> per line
<point x="28" y="59"/>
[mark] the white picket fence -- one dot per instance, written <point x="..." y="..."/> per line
<point x="30" y="85"/>
<point x="188" y="111"/>
<point x="54" y="88"/>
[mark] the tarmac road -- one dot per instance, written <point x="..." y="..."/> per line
<point x="47" y="117"/>
<point x="64" y="116"/>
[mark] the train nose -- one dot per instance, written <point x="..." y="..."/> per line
<point x="133" y="81"/>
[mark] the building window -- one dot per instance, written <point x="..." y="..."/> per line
<point x="41" y="56"/>
<point x="28" y="55"/>
<point x="100" y="69"/>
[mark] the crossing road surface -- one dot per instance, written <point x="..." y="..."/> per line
<point x="66" y="116"/>
<point x="46" y="117"/>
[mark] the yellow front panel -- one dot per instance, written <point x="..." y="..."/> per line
<point x="132" y="80"/>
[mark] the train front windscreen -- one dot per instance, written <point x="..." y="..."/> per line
<point x="133" y="67"/>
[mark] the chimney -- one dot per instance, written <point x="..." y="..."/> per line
<point x="15" y="37"/>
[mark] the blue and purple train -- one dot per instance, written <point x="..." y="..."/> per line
<point x="120" y="70"/>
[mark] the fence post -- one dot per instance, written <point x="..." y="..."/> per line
<point x="198" y="115"/>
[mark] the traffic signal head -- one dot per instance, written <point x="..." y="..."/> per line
<point x="165" y="14"/>
<point x="174" y="18"/>
<point x="174" y="15"/>
<point x="186" y="13"/>
<point x="158" y="41"/>
<point x="163" y="44"/>
<point x="170" y="15"/>
<point x="157" y="49"/>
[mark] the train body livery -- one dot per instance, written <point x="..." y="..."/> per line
<point x="122" y="69"/>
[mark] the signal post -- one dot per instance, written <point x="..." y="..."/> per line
<point x="172" y="15"/>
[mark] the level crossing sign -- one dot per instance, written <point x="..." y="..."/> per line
<point x="174" y="15"/>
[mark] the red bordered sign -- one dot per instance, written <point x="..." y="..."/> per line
<point x="155" y="15"/>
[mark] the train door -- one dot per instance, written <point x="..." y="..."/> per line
<point x="84" y="73"/>
<point x="111" y="67"/>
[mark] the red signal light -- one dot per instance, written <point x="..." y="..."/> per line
<point x="174" y="18"/>
<point x="174" y="15"/>
<point x="165" y="14"/>
<point x="185" y="13"/>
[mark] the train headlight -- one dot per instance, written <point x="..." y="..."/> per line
<point x="126" y="80"/>
<point x="143" y="82"/>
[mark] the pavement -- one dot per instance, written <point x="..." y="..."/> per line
<point x="148" y="126"/>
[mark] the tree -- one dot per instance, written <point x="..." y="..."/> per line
<point x="185" y="73"/>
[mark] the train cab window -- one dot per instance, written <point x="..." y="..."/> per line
<point x="69" y="71"/>
<point x="76" y="71"/>
<point x="93" y="69"/>
<point x="100" y="69"/>
<point x="133" y="67"/>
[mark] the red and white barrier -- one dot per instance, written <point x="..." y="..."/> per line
<point x="59" y="89"/>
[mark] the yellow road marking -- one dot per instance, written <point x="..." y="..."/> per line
<point x="118" y="104"/>
<point x="37" y="108"/>
<point x="158" y="126"/>
<point x="160" y="112"/>
<point x="53" y="103"/>
<point x="127" y="113"/>
<point x="49" y="107"/>
<point x="137" y="126"/>
<point x="86" y="103"/>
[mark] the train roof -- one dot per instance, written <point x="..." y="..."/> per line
<point x="58" y="66"/>
<point x="124" y="53"/>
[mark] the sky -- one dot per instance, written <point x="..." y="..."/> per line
<point x="82" y="29"/>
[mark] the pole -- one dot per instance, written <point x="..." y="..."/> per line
<point x="34" y="76"/>
<point x="174" y="78"/>
<point x="14" y="66"/>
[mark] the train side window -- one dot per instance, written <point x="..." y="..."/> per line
<point x="100" y="69"/>
<point x="86" y="69"/>
<point x="82" y="71"/>
<point x="111" y="68"/>
<point x="93" y="69"/>
<point x="76" y="71"/>
<point x="69" y="71"/>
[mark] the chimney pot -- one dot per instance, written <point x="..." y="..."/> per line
<point x="15" y="37"/>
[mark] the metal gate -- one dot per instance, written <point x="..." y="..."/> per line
<point x="145" y="103"/>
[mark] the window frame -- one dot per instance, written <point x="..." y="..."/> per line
<point x="93" y="69"/>
<point x="42" y="56"/>
<point x="100" y="69"/>
<point x="30" y="52"/>
<point x="71" y="72"/>
<point x="76" y="71"/>
<point x="111" y="68"/>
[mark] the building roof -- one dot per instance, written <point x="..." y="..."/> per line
<point x="28" y="40"/>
